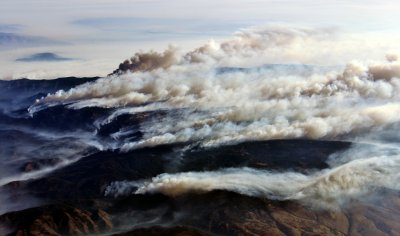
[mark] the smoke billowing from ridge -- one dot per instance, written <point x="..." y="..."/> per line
<point x="331" y="187"/>
<point x="213" y="107"/>
<point x="210" y="96"/>
<point x="255" y="105"/>
<point x="250" y="44"/>
<point x="148" y="61"/>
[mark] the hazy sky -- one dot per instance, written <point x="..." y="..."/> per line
<point x="101" y="33"/>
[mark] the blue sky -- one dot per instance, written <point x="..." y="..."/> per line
<point x="119" y="27"/>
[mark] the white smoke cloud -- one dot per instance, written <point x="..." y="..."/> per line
<point x="330" y="188"/>
<point x="203" y="104"/>
<point x="269" y="44"/>
<point x="215" y="107"/>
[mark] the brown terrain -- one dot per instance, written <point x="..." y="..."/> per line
<point x="216" y="213"/>
<point x="76" y="203"/>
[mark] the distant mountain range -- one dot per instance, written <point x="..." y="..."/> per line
<point x="45" y="56"/>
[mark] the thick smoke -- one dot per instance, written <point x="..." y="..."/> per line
<point x="385" y="71"/>
<point x="222" y="93"/>
<point x="149" y="61"/>
<point x="349" y="177"/>
<point x="248" y="45"/>
<point x="214" y="106"/>
<point x="254" y="105"/>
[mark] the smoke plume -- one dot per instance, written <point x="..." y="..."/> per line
<point x="346" y="179"/>
<point x="248" y="44"/>
<point x="224" y="93"/>
<point x="214" y="106"/>
<point x="148" y="61"/>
